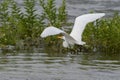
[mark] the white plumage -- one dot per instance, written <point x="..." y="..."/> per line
<point x="75" y="36"/>
<point x="51" y="31"/>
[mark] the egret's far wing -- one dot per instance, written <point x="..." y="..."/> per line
<point x="51" y="31"/>
<point x="80" y="23"/>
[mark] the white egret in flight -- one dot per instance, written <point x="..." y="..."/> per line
<point x="75" y="37"/>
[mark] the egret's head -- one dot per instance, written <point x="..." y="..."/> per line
<point x="60" y="36"/>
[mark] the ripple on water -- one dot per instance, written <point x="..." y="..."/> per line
<point x="42" y="66"/>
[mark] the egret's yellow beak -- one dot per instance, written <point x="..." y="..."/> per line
<point x="60" y="37"/>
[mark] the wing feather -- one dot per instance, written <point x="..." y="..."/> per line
<point x="80" y="23"/>
<point x="51" y="31"/>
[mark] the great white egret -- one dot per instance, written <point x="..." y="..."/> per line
<point x="75" y="37"/>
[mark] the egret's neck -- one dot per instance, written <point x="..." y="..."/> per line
<point x="65" y="44"/>
<point x="63" y="38"/>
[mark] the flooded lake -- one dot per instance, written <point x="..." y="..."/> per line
<point x="45" y="65"/>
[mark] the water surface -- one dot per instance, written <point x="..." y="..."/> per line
<point x="77" y="7"/>
<point x="59" y="66"/>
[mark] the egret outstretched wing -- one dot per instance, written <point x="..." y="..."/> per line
<point x="80" y="23"/>
<point x="54" y="31"/>
<point x="51" y="31"/>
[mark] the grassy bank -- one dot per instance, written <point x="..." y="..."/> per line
<point x="22" y="26"/>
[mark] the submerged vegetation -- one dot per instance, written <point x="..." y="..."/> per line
<point x="22" y="26"/>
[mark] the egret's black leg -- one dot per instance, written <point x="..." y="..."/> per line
<point x="78" y="48"/>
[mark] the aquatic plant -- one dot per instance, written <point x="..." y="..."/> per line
<point x="6" y="33"/>
<point x="54" y="16"/>
<point x="104" y="35"/>
<point x="25" y="24"/>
